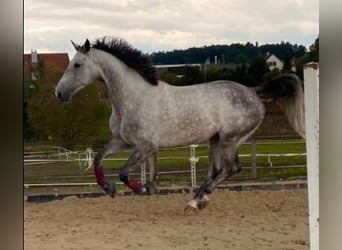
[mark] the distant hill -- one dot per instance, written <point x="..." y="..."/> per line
<point x="227" y="53"/>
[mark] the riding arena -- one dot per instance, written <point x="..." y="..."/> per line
<point x="148" y="115"/>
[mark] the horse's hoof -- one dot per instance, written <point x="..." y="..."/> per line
<point x="150" y="188"/>
<point x="110" y="190"/>
<point x="191" y="207"/>
<point x="201" y="204"/>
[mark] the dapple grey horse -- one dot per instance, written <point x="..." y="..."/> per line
<point x="148" y="114"/>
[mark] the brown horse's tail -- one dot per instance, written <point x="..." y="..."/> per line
<point x="287" y="91"/>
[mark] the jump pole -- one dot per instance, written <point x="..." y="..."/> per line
<point x="311" y="95"/>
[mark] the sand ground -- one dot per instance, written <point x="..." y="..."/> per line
<point x="265" y="220"/>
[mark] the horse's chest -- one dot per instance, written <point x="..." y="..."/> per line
<point x="129" y="130"/>
<point x="132" y="125"/>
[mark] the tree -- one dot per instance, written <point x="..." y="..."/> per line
<point x="242" y="59"/>
<point x="192" y="75"/>
<point x="275" y="72"/>
<point x="170" y="78"/>
<point x="311" y="56"/>
<point x="29" y="132"/>
<point x="287" y="68"/>
<point x="258" y="68"/>
<point x="314" y="51"/>
<point x="230" y="53"/>
<point x="83" y="120"/>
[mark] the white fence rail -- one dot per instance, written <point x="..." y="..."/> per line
<point x="85" y="159"/>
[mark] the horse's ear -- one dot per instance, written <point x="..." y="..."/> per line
<point x="86" y="46"/>
<point x="76" y="46"/>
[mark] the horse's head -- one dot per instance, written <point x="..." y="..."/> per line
<point x="81" y="71"/>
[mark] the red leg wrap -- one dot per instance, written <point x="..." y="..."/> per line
<point x="135" y="186"/>
<point x="100" y="179"/>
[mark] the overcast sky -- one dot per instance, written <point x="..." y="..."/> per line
<point x="154" y="25"/>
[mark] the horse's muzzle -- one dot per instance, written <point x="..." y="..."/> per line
<point x="61" y="97"/>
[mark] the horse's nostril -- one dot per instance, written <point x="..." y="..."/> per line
<point x="62" y="97"/>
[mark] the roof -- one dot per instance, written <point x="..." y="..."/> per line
<point x="272" y="55"/>
<point x="58" y="60"/>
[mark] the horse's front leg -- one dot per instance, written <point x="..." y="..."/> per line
<point x="137" y="158"/>
<point x="114" y="146"/>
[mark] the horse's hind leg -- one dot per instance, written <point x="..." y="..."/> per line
<point x="135" y="160"/>
<point x="229" y="163"/>
<point x="214" y="156"/>
<point x="214" y="166"/>
<point x="112" y="147"/>
<point x="230" y="168"/>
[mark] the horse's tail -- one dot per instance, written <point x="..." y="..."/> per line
<point x="287" y="91"/>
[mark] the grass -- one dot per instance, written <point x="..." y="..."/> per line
<point x="58" y="171"/>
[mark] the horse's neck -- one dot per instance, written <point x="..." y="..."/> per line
<point x="122" y="83"/>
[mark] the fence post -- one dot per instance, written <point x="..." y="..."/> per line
<point x="193" y="159"/>
<point x="254" y="160"/>
<point x="311" y="93"/>
<point x="143" y="173"/>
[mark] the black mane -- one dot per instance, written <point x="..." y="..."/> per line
<point x="132" y="57"/>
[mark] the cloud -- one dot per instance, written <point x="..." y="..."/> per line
<point x="153" y="25"/>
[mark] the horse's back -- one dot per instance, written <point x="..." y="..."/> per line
<point x="226" y="97"/>
<point x="197" y="112"/>
<point x="238" y="105"/>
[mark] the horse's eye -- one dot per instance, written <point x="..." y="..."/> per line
<point x="77" y="65"/>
